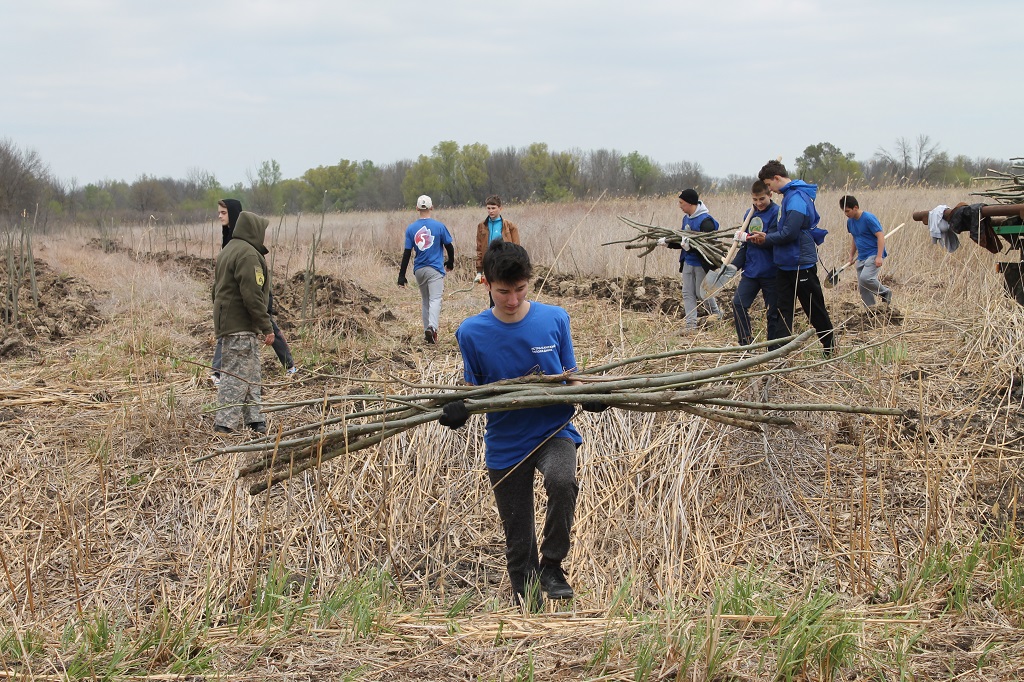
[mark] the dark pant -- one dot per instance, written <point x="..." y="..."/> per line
<point x="804" y="285"/>
<point x="746" y="292"/>
<point x="284" y="353"/>
<point x="513" y="493"/>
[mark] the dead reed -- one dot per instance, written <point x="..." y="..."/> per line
<point x="852" y="545"/>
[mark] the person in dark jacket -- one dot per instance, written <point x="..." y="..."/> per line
<point x="241" y="322"/>
<point x="227" y="211"/>
<point x="758" y="267"/>
<point x="795" y="252"/>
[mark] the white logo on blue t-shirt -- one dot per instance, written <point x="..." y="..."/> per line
<point x="424" y="238"/>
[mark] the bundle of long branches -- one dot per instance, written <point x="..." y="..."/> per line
<point x="705" y="393"/>
<point x="711" y="245"/>
<point x="1011" y="189"/>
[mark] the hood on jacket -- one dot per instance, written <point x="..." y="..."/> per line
<point x="701" y="210"/>
<point x="251" y="228"/>
<point x="809" y="189"/>
<point x="234" y="207"/>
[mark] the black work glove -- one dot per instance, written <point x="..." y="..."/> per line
<point x="454" y="415"/>
<point x="402" y="281"/>
<point x="594" y="407"/>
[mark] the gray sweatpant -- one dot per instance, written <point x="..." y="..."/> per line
<point x="869" y="284"/>
<point x="431" y="284"/>
<point x="692" y="276"/>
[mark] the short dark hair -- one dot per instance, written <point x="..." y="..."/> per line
<point x="771" y="169"/>
<point x="849" y="201"/>
<point x="759" y="187"/>
<point x="493" y="200"/>
<point x="507" y="263"/>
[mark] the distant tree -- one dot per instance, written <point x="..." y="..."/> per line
<point x="826" y="164"/>
<point x="23" y="178"/>
<point x="679" y="176"/>
<point x="643" y="173"/>
<point x="919" y="161"/>
<point x="506" y="176"/>
<point x="603" y="169"/>
<point x="338" y="183"/>
<point x="551" y="176"/>
<point x="292" y="195"/>
<point x="421" y="178"/>
<point x="149" y="195"/>
<point x="474" y="169"/>
<point x="264" y="191"/>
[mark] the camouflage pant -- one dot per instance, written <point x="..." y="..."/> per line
<point x="239" y="387"/>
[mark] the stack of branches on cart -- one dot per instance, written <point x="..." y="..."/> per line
<point x="1011" y="189"/>
<point x="706" y="393"/>
<point x="711" y="245"/>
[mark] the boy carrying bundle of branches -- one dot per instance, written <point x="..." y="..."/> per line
<point x="516" y="338"/>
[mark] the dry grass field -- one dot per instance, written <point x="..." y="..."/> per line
<point x="848" y="547"/>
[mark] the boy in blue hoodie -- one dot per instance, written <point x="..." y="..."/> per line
<point x="758" y="267"/>
<point x="692" y="266"/>
<point x="795" y="253"/>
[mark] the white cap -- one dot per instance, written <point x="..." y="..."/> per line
<point x="424" y="203"/>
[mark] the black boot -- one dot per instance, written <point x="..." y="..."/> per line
<point x="552" y="579"/>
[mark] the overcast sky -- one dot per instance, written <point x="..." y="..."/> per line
<point x="113" y="89"/>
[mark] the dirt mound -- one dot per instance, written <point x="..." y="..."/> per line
<point x="642" y="294"/>
<point x="197" y="267"/>
<point x="66" y="307"/>
<point x="339" y="306"/>
<point x="855" y="317"/>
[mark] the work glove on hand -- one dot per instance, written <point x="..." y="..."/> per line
<point x="662" y="241"/>
<point x="479" y="278"/>
<point x="594" y="407"/>
<point x="402" y="281"/>
<point x="686" y="244"/>
<point x="454" y="415"/>
<point x="741" y="236"/>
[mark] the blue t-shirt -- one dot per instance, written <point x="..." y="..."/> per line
<point x="494" y="229"/>
<point x="427" y="237"/>
<point x="493" y="350"/>
<point x="865" y="230"/>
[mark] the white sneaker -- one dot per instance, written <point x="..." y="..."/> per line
<point x="292" y="370"/>
<point x="214" y="379"/>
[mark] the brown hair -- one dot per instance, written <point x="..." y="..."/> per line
<point x="771" y="169"/>
<point x="493" y="200"/>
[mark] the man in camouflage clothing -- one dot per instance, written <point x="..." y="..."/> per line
<point x="241" y="323"/>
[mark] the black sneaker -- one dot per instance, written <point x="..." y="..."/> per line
<point x="430" y="336"/>
<point x="552" y="579"/>
<point x="258" y="427"/>
<point x="217" y="428"/>
<point x="526" y="593"/>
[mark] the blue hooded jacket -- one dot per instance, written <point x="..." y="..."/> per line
<point x="759" y="260"/>
<point x="793" y="244"/>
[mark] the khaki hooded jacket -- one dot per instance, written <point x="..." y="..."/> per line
<point x="241" y="287"/>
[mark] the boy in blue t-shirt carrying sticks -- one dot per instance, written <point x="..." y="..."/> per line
<point x="517" y="338"/>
